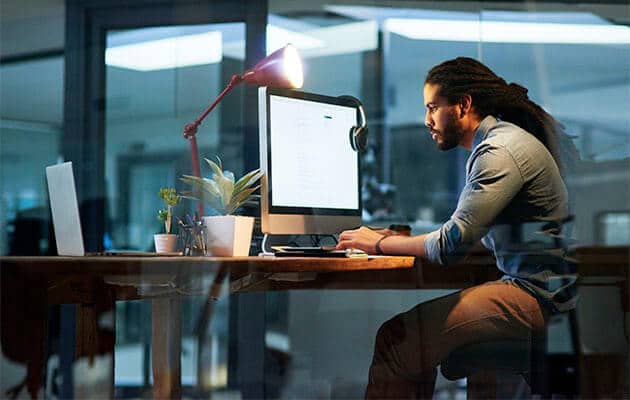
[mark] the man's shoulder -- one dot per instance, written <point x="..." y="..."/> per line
<point x="510" y="136"/>
<point x="504" y="131"/>
<point x="509" y="142"/>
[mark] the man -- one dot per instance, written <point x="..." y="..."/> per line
<point x="514" y="200"/>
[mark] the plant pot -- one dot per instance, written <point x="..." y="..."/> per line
<point x="165" y="243"/>
<point x="228" y="235"/>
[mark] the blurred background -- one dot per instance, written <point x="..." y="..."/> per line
<point x="159" y="74"/>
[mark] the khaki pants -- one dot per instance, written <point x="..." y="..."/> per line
<point x="409" y="346"/>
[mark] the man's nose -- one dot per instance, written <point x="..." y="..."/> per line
<point x="427" y="120"/>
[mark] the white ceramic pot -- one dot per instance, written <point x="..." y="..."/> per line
<point x="228" y="235"/>
<point x="165" y="243"/>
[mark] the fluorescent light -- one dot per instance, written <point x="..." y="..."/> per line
<point x="348" y="38"/>
<point x="508" y="32"/>
<point x="278" y="37"/>
<point x="433" y="29"/>
<point x="174" y="52"/>
<point x="527" y="32"/>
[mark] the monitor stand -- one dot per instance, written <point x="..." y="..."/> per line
<point x="270" y="240"/>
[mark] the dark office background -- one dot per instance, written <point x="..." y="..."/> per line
<point x="124" y="132"/>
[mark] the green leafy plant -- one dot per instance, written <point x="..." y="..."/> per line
<point x="221" y="191"/>
<point x="171" y="199"/>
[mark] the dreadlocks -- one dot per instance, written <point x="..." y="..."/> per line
<point x="492" y="95"/>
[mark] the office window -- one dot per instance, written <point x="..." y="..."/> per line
<point x="158" y="80"/>
<point x="31" y="112"/>
<point x="406" y="178"/>
<point x="590" y="97"/>
<point x="614" y="228"/>
<point x="583" y="80"/>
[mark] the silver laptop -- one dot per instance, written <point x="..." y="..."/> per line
<point x="65" y="210"/>
<point x="65" y="215"/>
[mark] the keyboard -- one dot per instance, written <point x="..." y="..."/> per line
<point x="315" y="251"/>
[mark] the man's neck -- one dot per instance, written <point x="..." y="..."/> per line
<point x="469" y="133"/>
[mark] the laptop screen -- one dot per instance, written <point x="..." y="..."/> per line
<point x="65" y="210"/>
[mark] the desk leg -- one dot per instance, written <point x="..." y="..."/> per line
<point x="167" y="348"/>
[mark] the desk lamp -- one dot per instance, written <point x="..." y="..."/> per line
<point x="281" y="69"/>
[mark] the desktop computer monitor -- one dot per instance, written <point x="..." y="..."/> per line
<point x="311" y="182"/>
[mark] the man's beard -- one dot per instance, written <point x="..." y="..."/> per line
<point x="449" y="137"/>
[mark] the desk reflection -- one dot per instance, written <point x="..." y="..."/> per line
<point x="83" y="282"/>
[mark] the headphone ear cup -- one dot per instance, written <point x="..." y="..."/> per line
<point x="360" y="138"/>
<point x="358" y="133"/>
<point x="353" y="138"/>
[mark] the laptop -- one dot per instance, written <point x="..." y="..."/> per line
<point x="65" y="215"/>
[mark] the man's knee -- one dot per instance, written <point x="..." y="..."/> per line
<point x="391" y="333"/>
<point x="397" y="347"/>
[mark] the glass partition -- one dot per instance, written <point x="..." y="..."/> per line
<point x="158" y="80"/>
<point x="31" y="112"/>
<point x="574" y="61"/>
<point x="247" y="331"/>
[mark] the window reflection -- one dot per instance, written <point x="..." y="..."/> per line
<point x="31" y="112"/>
<point x="371" y="52"/>
<point x="158" y="80"/>
<point x="407" y="181"/>
<point x="150" y="97"/>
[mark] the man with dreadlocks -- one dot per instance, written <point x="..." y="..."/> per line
<point x="514" y="201"/>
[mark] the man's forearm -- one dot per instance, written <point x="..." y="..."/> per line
<point x="403" y="245"/>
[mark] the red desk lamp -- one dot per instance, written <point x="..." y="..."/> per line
<point x="282" y="68"/>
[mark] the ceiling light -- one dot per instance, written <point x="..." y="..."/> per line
<point x="508" y="32"/>
<point x="173" y="52"/>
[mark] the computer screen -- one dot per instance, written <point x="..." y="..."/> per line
<point x="311" y="183"/>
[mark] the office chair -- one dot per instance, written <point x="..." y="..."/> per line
<point x="545" y="374"/>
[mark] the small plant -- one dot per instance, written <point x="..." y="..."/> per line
<point x="171" y="199"/>
<point x="220" y="191"/>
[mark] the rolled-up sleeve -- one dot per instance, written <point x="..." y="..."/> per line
<point x="493" y="179"/>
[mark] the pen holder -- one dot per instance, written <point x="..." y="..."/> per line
<point x="194" y="239"/>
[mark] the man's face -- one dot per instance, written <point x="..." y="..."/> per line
<point x="442" y="119"/>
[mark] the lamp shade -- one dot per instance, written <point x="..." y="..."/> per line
<point x="282" y="69"/>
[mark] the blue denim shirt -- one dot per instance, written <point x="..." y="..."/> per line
<point x="515" y="201"/>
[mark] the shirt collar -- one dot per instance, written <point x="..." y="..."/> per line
<point x="482" y="131"/>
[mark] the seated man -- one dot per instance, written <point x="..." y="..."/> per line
<point x="514" y="200"/>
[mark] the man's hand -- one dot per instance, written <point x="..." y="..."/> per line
<point x="363" y="239"/>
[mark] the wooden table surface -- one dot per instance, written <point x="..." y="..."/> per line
<point x="592" y="261"/>
<point x="137" y="265"/>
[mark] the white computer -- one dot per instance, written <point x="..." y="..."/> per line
<point x="311" y="182"/>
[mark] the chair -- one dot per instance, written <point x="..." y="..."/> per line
<point x="480" y="362"/>
<point x="545" y="373"/>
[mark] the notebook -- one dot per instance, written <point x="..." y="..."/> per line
<point x="65" y="215"/>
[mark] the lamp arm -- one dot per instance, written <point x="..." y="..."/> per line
<point x="190" y="130"/>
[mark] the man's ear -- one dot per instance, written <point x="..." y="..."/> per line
<point x="465" y="105"/>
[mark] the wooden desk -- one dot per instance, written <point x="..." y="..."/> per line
<point x="95" y="283"/>
<point x="29" y="284"/>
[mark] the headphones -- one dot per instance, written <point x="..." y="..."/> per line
<point x="358" y="133"/>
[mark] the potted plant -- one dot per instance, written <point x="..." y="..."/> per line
<point x="227" y="234"/>
<point x="167" y="242"/>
